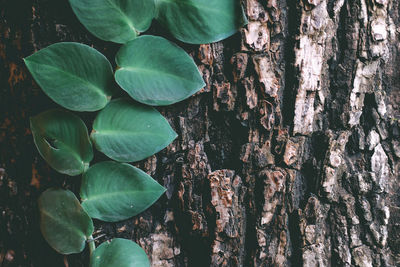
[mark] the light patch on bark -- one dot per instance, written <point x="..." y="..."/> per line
<point x="266" y="76"/>
<point x="373" y="139"/>
<point x="316" y="32"/>
<point x="293" y="152"/>
<point x="316" y="242"/>
<point x="257" y="35"/>
<point x="161" y="248"/>
<point x="362" y="256"/>
<point x="369" y="61"/>
<point x="365" y="72"/>
<point x="380" y="169"/>
<point x="226" y="198"/>
<point x="274" y="184"/>
<point x="333" y="169"/>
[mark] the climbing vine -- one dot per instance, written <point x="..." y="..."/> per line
<point x="154" y="72"/>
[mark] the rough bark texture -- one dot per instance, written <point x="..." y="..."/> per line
<point x="288" y="157"/>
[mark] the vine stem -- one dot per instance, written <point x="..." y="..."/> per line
<point x="92" y="245"/>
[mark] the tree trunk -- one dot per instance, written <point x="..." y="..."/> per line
<point x="288" y="157"/>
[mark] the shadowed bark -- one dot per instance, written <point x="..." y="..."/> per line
<point x="288" y="157"/>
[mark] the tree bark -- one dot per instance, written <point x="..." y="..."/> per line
<point x="288" y="157"/>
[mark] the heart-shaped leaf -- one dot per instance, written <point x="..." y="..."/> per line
<point x="74" y="75"/>
<point x="127" y="131"/>
<point x="155" y="71"/>
<point x="201" y="21"/>
<point x="119" y="252"/>
<point x="64" y="224"/>
<point x="63" y="141"/>
<point x="114" y="191"/>
<point x="118" y="21"/>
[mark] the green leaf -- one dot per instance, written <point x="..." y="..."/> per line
<point x="119" y="252"/>
<point x="74" y="75"/>
<point x="63" y="222"/>
<point x="118" y="21"/>
<point x="201" y="21"/>
<point x="63" y="141"/>
<point x="127" y="131"/>
<point x="155" y="71"/>
<point x="114" y="191"/>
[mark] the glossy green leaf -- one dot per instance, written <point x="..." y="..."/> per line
<point x="119" y="252"/>
<point x="113" y="191"/>
<point x="155" y="71"/>
<point x="127" y="131"/>
<point x="74" y="75"/>
<point x="63" y="141"/>
<point x="114" y="20"/>
<point x="64" y="224"/>
<point x="201" y="21"/>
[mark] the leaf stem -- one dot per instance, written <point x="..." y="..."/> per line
<point x="85" y="166"/>
<point x="92" y="245"/>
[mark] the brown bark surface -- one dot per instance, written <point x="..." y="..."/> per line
<point x="288" y="157"/>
